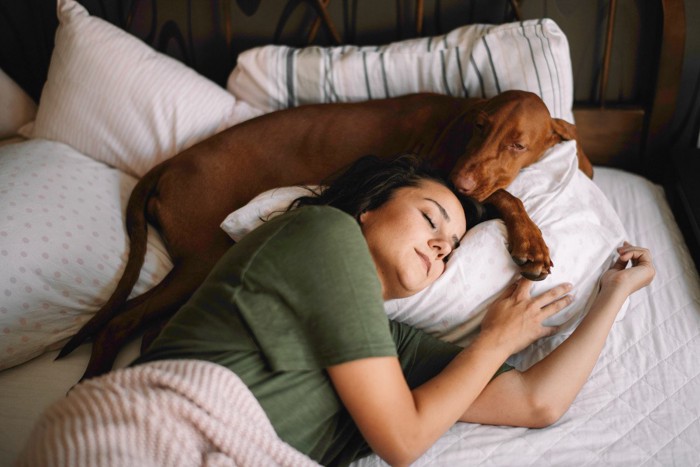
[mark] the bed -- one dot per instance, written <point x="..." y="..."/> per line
<point x="110" y="106"/>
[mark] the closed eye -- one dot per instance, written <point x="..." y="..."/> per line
<point x="430" y="221"/>
<point x="517" y="147"/>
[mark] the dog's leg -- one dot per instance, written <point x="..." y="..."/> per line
<point x="137" y="231"/>
<point x="151" y="333"/>
<point x="163" y="301"/>
<point x="526" y="244"/>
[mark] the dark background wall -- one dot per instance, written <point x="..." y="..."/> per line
<point x="27" y="26"/>
<point x="208" y="34"/>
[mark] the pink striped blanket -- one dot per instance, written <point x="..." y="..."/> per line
<point x="173" y="413"/>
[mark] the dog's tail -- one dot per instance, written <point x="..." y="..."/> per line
<point x="137" y="231"/>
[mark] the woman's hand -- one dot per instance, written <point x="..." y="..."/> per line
<point x="515" y="318"/>
<point x="631" y="279"/>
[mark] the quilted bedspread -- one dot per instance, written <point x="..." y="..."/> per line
<point x="641" y="405"/>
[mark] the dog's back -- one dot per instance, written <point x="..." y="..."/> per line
<point x="187" y="197"/>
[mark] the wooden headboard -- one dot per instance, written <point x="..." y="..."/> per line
<point x="622" y="106"/>
<point x="629" y="134"/>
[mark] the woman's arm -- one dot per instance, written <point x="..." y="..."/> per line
<point x="539" y="396"/>
<point x="400" y="424"/>
<point x="551" y="385"/>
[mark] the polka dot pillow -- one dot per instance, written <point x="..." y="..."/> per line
<point x="62" y="245"/>
<point x="114" y="98"/>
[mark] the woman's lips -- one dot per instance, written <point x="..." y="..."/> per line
<point x="426" y="261"/>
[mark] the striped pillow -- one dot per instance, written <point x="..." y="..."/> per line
<point x="112" y="97"/>
<point x="474" y="61"/>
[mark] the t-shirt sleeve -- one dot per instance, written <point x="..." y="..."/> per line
<point x="423" y="356"/>
<point x="310" y="294"/>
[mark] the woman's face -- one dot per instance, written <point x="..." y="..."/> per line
<point x="411" y="235"/>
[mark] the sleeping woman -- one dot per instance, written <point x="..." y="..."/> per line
<point x="295" y="309"/>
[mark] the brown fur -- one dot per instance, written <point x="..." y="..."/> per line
<point x="481" y="143"/>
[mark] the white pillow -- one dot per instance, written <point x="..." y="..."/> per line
<point x="112" y="97"/>
<point x="262" y="208"/>
<point x="473" y="61"/>
<point x="62" y="245"/>
<point x="579" y="225"/>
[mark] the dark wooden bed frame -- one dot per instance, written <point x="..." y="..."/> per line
<point x="208" y="35"/>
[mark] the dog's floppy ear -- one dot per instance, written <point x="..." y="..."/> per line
<point x="564" y="129"/>
<point x="567" y="132"/>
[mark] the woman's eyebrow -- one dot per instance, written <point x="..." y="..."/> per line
<point x="443" y="212"/>
<point x="440" y="208"/>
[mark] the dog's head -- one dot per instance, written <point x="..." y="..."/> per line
<point x="503" y="135"/>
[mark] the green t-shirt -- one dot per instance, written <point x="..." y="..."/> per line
<point x="295" y="296"/>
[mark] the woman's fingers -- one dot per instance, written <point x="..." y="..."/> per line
<point x="620" y="264"/>
<point x="551" y="301"/>
<point x="522" y="291"/>
<point x="549" y="330"/>
<point x="553" y="294"/>
<point x="556" y="306"/>
<point x="552" y="309"/>
<point x="629" y="252"/>
<point x="639" y="257"/>
<point x="508" y="291"/>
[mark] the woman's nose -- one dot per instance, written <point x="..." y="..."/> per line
<point x="441" y="247"/>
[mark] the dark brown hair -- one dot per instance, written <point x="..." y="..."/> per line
<point x="371" y="181"/>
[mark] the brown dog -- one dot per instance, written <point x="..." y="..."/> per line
<point x="485" y="143"/>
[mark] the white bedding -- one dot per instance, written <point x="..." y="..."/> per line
<point x="640" y="406"/>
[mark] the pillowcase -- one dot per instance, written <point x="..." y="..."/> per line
<point x="579" y="225"/>
<point x="114" y="98"/>
<point x="62" y="245"/>
<point x="472" y="61"/>
<point x="262" y="208"/>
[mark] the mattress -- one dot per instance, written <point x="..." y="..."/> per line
<point x="641" y="405"/>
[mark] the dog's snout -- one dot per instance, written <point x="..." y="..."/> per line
<point x="465" y="183"/>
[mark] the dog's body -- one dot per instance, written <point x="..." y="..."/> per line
<point x="484" y="142"/>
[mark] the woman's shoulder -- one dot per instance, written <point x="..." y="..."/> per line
<point x="324" y="229"/>
<point x="318" y="227"/>
<point x="324" y="217"/>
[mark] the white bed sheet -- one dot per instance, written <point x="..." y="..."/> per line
<point x="641" y="405"/>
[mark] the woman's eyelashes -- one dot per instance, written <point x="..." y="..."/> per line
<point x="430" y="220"/>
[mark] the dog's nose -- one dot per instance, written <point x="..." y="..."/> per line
<point x="465" y="184"/>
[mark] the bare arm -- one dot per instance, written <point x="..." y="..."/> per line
<point x="400" y="424"/>
<point x="542" y="394"/>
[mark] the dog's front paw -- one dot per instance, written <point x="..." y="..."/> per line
<point x="533" y="272"/>
<point x="531" y="254"/>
